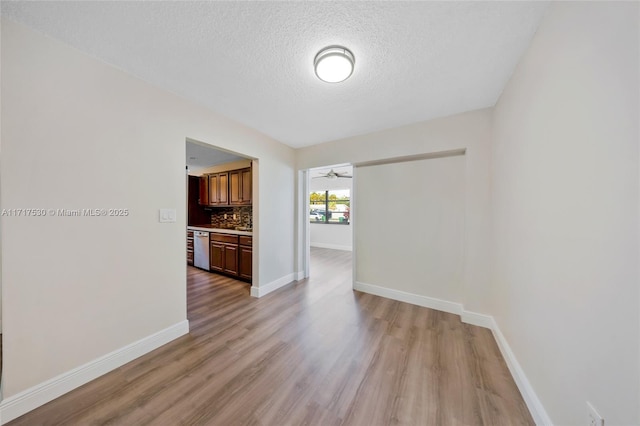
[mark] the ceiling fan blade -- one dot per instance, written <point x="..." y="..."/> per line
<point x="332" y="175"/>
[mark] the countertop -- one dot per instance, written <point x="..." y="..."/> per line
<point x="210" y="228"/>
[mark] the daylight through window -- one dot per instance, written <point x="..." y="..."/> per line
<point x="331" y="207"/>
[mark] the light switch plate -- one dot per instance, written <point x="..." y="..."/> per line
<point x="167" y="215"/>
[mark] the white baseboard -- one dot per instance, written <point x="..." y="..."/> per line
<point x="481" y="320"/>
<point x="272" y="286"/>
<point x="536" y="408"/>
<point x="299" y="275"/>
<point x="332" y="246"/>
<point x="414" y="299"/>
<point x="32" y="398"/>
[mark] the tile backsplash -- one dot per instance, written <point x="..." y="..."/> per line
<point x="243" y="214"/>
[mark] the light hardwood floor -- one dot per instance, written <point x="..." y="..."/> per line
<point x="312" y="353"/>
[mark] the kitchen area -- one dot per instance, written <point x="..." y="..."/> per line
<point x="219" y="212"/>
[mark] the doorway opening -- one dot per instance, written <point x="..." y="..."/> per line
<point x="221" y="210"/>
<point x="328" y="213"/>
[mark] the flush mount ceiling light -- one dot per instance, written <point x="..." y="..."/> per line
<point x="334" y="64"/>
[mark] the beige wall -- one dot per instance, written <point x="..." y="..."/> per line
<point x="409" y="222"/>
<point x="470" y="131"/>
<point x="77" y="133"/>
<point x="565" y="212"/>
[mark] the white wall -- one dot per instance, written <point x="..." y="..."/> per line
<point x="471" y="131"/>
<point x="565" y="212"/>
<point x="339" y="237"/>
<point x="77" y="133"/>
<point x="412" y="241"/>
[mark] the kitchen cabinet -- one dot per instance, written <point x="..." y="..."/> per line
<point x="196" y="213"/>
<point x="245" y="257"/>
<point x="219" y="189"/>
<point x="230" y="259"/>
<point x="231" y="255"/>
<point x="216" y="256"/>
<point x="203" y="200"/>
<point x="190" y="248"/>
<point x="231" y="188"/>
<point x="240" y="187"/>
<point x="224" y="253"/>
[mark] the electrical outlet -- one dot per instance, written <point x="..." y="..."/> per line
<point x="225" y="215"/>
<point x="593" y="418"/>
<point x="234" y="216"/>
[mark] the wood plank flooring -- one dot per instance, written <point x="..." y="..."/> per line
<point x="312" y="353"/>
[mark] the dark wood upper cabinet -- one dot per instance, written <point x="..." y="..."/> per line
<point x="234" y="187"/>
<point x="226" y="188"/>
<point x="223" y="189"/>
<point x="219" y="189"/>
<point x="246" y="192"/>
<point x="203" y="200"/>
<point x="240" y="187"/>
<point x="196" y="213"/>
<point x="213" y="189"/>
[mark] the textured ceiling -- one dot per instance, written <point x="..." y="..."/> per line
<point x="252" y="61"/>
<point x="200" y="156"/>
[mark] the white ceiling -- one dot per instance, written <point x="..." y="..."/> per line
<point x="201" y="156"/>
<point x="319" y="183"/>
<point x="252" y="61"/>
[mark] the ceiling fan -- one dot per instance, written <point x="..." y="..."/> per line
<point x="334" y="175"/>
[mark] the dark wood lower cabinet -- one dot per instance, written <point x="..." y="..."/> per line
<point x="216" y="257"/>
<point x="226" y="255"/>
<point x="230" y="259"/>
<point x="245" y="256"/>
<point x="246" y="259"/>
<point x="190" y="248"/>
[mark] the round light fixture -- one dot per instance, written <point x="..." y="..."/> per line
<point x="334" y="64"/>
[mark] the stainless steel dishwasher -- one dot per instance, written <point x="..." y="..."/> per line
<point x="201" y="250"/>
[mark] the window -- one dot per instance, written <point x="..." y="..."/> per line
<point x="330" y="206"/>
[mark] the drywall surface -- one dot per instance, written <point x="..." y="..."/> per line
<point x="565" y="212"/>
<point x="470" y="131"/>
<point x="79" y="134"/>
<point x="337" y="237"/>
<point x="416" y="245"/>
